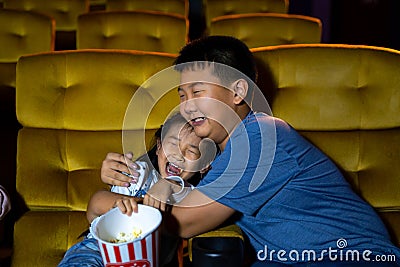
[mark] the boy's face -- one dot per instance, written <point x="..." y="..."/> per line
<point x="178" y="153"/>
<point x="207" y="105"/>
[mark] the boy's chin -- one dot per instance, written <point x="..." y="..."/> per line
<point x="201" y="132"/>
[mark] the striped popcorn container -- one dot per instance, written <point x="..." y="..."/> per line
<point x="129" y="241"/>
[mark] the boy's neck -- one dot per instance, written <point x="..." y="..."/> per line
<point x="242" y="112"/>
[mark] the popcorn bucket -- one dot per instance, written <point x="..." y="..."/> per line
<point x="140" y="251"/>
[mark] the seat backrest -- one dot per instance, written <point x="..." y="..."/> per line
<point x="71" y="105"/>
<point x="24" y="32"/>
<point x="346" y="100"/>
<point x="65" y="12"/>
<point x="180" y="7"/>
<point x="262" y="29"/>
<point x="21" y="32"/>
<point x="137" y="30"/>
<point x="63" y="94"/>
<point x="215" y="8"/>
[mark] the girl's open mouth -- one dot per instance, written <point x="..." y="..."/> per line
<point x="173" y="170"/>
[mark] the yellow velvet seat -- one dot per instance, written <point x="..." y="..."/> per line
<point x="21" y="32"/>
<point x="346" y="100"/>
<point x="71" y="105"/>
<point x="137" y="30"/>
<point x="65" y="13"/>
<point x="216" y="8"/>
<point x="180" y="7"/>
<point x="263" y="29"/>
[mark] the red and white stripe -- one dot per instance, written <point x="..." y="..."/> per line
<point x="141" y="253"/>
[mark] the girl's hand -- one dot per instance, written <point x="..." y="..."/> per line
<point x="115" y="165"/>
<point x="127" y="205"/>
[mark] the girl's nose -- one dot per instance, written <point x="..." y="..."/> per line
<point x="177" y="156"/>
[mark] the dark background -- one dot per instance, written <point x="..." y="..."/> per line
<point x="367" y="22"/>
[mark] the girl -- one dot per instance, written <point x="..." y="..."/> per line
<point x="176" y="153"/>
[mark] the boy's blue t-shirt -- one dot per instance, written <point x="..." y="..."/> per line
<point x="290" y="196"/>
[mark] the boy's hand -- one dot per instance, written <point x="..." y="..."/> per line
<point x="113" y="167"/>
<point x="159" y="194"/>
<point x="127" y="205"/>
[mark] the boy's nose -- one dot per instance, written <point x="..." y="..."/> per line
<point x="189" y="106"/>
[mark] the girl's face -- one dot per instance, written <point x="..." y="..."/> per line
<point x="178" y="152"/>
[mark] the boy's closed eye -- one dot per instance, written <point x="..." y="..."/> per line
<point x="196" y="92"/>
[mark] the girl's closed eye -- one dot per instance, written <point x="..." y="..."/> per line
<point x="172" y="143"/>
<point x="193" y="152"/>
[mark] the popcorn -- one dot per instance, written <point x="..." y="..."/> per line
<point x="125" y="237"/>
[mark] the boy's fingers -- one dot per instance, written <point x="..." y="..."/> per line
<point x="129" y="155"/>
<point x="162" y="206"/>
<point x="116" y="178"/>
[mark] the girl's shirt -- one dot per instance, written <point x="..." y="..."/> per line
<point x="147" y="178"/>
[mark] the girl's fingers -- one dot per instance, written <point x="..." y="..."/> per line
<point x="127" y="205"/>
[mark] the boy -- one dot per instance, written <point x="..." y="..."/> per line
<point x="289" y="199"/>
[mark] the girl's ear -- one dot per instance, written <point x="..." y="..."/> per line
<point x="158" y="143"/>
<point x="240" y="88"/>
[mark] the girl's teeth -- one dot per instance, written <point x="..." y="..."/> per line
<point x="173" y="169"/>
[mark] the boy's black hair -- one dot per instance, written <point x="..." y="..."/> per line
<point x="225" y="50"/>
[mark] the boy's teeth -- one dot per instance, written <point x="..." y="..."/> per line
<point x="199" y="119"/>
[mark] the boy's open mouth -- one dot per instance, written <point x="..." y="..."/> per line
<point x="173" y="170"/>
<point x="197" y="121"/>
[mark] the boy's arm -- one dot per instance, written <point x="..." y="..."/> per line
<point x="196" y="214"/>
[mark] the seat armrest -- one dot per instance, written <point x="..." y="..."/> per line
<point x="221" y="247"/>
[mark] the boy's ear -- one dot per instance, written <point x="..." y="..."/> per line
<point x="240" y="88"/>
<point x="205" y="169"/>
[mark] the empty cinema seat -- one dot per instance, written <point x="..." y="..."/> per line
<point x="135" y="30"/>
<point x="216" y="8"/>
<point x="65" y="13"/>
<point x="180" y="7"/>
<point x="29" y="32"/>
<point x="263" y="29"/>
